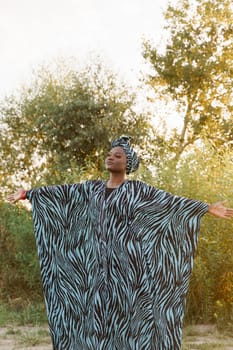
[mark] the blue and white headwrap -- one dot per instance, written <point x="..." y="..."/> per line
<point x="132" y="160"/>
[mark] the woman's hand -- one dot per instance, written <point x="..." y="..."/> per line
<point x="218" y="209"/>
<point x="18" y="195"/>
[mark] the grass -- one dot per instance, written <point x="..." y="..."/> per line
<point x="12" y="331"/>
<point x="206" y="346"/>
<point x="206" y="330"/>
<point x="205" y="337"/>
<point x="34" y="337"/>
<point x="33" y="314"/>
<point x="25" y="337"/>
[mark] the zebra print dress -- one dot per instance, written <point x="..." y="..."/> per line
<point x="115" y="270"/>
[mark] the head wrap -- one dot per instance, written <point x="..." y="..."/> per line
<point x="132" y="160"/>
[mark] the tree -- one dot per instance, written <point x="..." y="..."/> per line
<point x="196" y="72"/>
<point x="65" y="120"/>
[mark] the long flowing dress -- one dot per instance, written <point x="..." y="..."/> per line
<point x="115" y="270"/>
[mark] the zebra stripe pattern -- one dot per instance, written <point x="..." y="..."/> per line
<point x="115" y="271"/>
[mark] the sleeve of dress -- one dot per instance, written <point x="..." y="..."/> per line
<point x="161" y="202"/>
<point x="59" y="193"/>
<point x="58" y="212"/>
<point x="178" y="217"/>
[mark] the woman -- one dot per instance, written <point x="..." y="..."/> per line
<point x="115" y="258"/>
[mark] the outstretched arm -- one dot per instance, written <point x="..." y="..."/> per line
<point x="18" y="195"/>
<point x="219" y="210"/>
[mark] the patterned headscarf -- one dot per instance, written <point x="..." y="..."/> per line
<point x="132" y="160"/>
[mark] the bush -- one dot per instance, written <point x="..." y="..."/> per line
<point x="19" y="268"/>
<point x="205" y="176"/>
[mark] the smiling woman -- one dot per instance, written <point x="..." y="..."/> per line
<point x="116" y="264"/>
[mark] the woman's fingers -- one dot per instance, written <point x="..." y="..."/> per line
<point x="14" y="197"/>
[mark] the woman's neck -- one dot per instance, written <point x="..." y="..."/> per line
<point x="116" y="180"/>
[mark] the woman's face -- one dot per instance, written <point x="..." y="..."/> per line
<point x="115" y="161"/>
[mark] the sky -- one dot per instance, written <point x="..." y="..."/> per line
<point x="36" y="32"/>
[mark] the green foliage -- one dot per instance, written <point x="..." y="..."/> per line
<point x="27" y="312"/>
<point x="65" y="120"/>
<point x="19" y="267"/>
<point x="195" y="71"/>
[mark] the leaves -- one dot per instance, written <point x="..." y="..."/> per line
<point x="196" y="70"/>
<point x="64" y="121"/>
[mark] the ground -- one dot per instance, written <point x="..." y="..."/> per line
<point x="201" y="337"/>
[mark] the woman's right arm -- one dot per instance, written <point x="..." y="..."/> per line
<point x="16" y="196"/>
<point x="79" y="191"/>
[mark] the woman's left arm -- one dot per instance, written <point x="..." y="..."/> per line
<point x="218" y="209"/>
